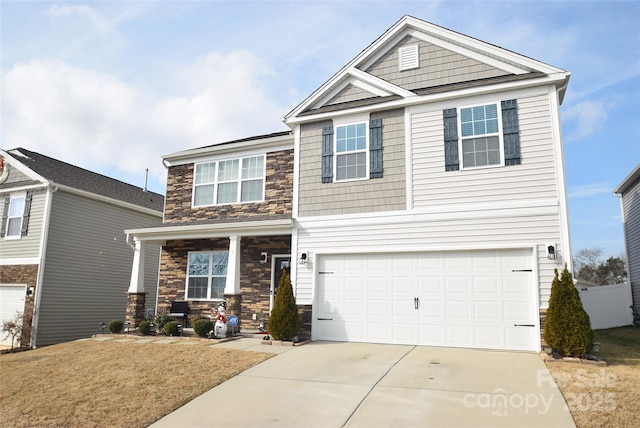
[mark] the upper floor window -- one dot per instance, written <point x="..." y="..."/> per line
<point x="486" y="135"/>
<point x="351" y="152"/>
<point x="229" y="181"/>
<point x="207" y="274"/>
<point x="15" y="217"/>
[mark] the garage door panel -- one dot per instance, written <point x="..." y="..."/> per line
<point x="465" y="299"/>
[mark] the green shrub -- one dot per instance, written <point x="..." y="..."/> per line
<point x="171" y="328"/>
<point x="161" y="319"/>
<point x="145" y="328"/>
<point x="202" y="326"/>
<point x="567" y="328"/>
<point x="194" y="318"/>
<point x="284" y="321"/>
<point x="116" y="326"/>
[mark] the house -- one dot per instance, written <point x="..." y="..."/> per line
<point x="64" y="261"/>
<point x="424" y="201"/>
<point x="629" y="192"/>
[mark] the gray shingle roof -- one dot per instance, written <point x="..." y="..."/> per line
<point x="78" y="178"/>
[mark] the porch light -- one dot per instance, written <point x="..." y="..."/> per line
<point x="263" y="257"/>
<point x="551" y="252"/>
<point x="303" y="258"/>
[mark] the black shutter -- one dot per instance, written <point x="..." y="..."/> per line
<point x="25" y="215"/>
<point x="450" y="120"/>
<point x="5" y="216"/>
<point x="375" y="148"/>
<point x="511" y="132"/>
<point x="327" y="154"/>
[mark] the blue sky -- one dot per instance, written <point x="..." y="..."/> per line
<point x="112" y="86"/>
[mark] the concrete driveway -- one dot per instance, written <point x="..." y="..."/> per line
<point x="327" y="384"/>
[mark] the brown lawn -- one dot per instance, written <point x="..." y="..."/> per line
<point x="110" y="384"/>
<point x="604" y="396"/>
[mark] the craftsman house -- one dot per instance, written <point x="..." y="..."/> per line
<point x="420" y="195"/>
<point x="64" y="261"/>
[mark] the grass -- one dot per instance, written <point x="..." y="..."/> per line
<point x="97" y="384"/>
<point x="604" y="396"/>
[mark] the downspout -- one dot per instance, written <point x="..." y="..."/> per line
<point x="43" y="250"/>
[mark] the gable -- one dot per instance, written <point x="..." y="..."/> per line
<point x="415" y="62"/>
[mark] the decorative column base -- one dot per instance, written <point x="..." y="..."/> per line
<point x="136" y="309"/>
<point x="234" y="306"/>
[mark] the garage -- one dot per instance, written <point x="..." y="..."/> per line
<point x="12" y="298"/>
<point x="474" y="299"/>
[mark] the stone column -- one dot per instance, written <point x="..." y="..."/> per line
<point x="136" y="309"/>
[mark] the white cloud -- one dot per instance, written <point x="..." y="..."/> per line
<point x="99" y="22"/>
<point x="590" y="190"/>
<point x="102" y="123"/>
<point x="589" y="117"/>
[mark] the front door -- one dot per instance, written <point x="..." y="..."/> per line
<point x="278" y="263"/>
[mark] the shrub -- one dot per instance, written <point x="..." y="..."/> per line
<point x="194" y="318"/>
<point x="160" y="320"/>
<point x="116" y="326"/>
<point x="202" y="326"/>
<point x="145" y="328"/>
<point x="171" y="328"/>
<point x="284" y="321"/>
<point x="567" y="328"/>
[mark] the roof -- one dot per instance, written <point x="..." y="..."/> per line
<point x="629" y="180"/>
<point x="65" y="174"/>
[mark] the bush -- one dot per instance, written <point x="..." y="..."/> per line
<point x="116" y="326"/>
<point x="160" y="320"/>
<point x="194" y="318"/>
<point x="145" y="328"/>
<point x="171" y="328"/>
<point x="567" y="328"/>
<point x="202" y="326"/>
<point x="284" y="321"/>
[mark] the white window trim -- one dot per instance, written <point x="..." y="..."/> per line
<point x="498" y="134"/>
<point x="12" y="197"/>
<point x="346" y="121"/>
<point x="239" y="180"/>
<point x="209" y="277"/>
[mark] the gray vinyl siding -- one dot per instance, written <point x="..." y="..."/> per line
<point x="422" y="232"/>
<point x="631" y="212"/>
<point x="534" y="179"/>
<point x="438" y="67"/>
<point x="350" y="93"/>
<point x="27" y="246"/>
<point x="88" y="267"/>
<point x="373" y="195"/>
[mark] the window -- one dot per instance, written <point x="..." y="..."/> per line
<point x="229" y="181"/>
<point x="14" y="215"/>
<point x="207" y="275"/>
<point x="482" y="122"/>
<point x="351" y="152"/>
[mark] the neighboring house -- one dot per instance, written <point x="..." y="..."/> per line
<point x="64" y="260"/>
<point x="629" y="192"/>
<point x="423" y="201"/>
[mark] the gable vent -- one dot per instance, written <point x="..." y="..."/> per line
<point x="408" y="57"/>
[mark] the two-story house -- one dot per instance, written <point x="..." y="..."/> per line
<point x="64" y="261"/>
<point x="428" y="199"/>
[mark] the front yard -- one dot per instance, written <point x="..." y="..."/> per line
<point x="100" y="384"/>
<point x="604" y="396"/>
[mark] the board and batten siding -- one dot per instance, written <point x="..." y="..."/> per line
<point x="351" y="197"/>
<point x="88" y="267"/>
<point x="27" y="246"/>
<point x="631" y="215"/>
<point x="534" y="179"/>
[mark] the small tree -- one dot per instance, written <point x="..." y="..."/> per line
<point x="567" y="328"/>
<point x="284" y="321"/>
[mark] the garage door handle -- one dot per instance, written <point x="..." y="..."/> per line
<point x="325" y="319"/>
<point x="416" y="303"/>
<point x="524" y="325"/>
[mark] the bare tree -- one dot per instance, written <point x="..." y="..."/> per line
<point x="13" y="328"/>
<point x="590" y="265"/>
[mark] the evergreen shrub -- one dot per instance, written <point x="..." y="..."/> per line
<point x="202" y="326"/>
<point x="145" y="328"/>
<point x="284" y="322"/>
<point x="116" y="326"/>
<point x="171" y="328"/>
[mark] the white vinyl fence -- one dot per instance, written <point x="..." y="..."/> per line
<point x="607" y="305"/>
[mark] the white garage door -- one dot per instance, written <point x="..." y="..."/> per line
<point x="12" y="299"/>
<point x="476" y="299"/>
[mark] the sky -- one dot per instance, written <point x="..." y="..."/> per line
<point x="111" y="86"/>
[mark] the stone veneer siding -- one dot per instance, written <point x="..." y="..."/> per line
<point x="277" y="202"/>
<point x="23" y="274"/>
<point x="136" y="312"/>
<point x="255" y="278"/>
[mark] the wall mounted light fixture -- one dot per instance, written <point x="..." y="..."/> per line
<point x="263" y="257"/>
<point x="551" y="251"/>
<point x="303" y="259"/>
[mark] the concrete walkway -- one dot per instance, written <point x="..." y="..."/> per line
<point x="327" y="384"/>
